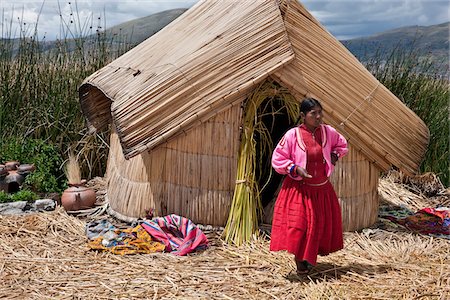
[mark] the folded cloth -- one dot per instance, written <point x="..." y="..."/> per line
<point x="98" y="228"/>
<point x="180" y="235"/>
<point x="442" y="212"/>
<point x="431" y="221"/>
<point x="127" y="241"/>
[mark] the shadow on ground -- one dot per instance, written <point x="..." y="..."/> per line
<point x="327" y="271"/>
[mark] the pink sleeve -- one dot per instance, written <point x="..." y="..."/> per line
<point x="281" y="157"/>
<point x="339" y="143"/>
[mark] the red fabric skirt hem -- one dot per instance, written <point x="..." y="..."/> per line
<point x="307" y="221"/>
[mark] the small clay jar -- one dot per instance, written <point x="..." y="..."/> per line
<point x="77" y="197"/>
<point x="3" y="174"/>
<point x="14" y="177"/>
<point x="25" y="169"/>
<point x="11" y="165"/>
<point x="3" y="171"/>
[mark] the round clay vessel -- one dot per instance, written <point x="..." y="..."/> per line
<point x="78" y="197"/>
<point x="25" y="169"/>
<point x="3" y="171"/>
<point x="11" y="165"/>
<point x="3" y="184"/>
<point x="13" y="176"/>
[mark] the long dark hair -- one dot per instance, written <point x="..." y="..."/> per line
<point x="307" y="105"/>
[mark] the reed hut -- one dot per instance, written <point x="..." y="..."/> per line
<point x="175" y="106"/>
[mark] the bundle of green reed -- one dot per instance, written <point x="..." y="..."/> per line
<point x="246" y="207"/>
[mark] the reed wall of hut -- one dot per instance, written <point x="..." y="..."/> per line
<point x="355" y="180"/>
<point x="192" y="175"/>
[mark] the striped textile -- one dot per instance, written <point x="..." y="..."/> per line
<point x="178" y="234"/>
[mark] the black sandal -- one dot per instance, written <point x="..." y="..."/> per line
<point x="303" y="272"/>
<point x="303" y="267"/>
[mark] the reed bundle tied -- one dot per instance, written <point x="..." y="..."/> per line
<point x="246" y="208"/>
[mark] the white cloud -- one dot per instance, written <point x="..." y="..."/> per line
<point x="343" y="18"/>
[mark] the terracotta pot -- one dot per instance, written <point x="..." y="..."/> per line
<point x="78" y="197"/>
<point x="14" y="177"/>
<point x="3" y="171"/>
<point x="3" y="184"/>
<point x="25" y="169"/>
<point x="11" y="165"/>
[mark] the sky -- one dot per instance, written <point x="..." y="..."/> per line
<point x="345" y="19"/>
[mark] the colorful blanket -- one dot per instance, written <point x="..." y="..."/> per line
<point x="431" y="221"/>
<point x="179" y="235"/>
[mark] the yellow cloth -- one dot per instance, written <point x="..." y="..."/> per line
<point x="130" y="241"/>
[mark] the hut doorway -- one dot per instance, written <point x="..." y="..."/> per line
<point x="277" y="116"/>
<point x="277" y="124"/>
<point x="268" y="112"/>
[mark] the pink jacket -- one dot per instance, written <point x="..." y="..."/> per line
<point x="291" y="150"/>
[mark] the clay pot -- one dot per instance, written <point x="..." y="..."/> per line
<point x="25" y="169"/>
<point x="14" y="177"/>
<point x="78" y="197"/>
<point x="3" y="171"/>
<point x="3" y="184"/>
<point x="11" y="165"/>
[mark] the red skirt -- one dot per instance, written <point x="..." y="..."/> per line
<point x="306" y="221"/>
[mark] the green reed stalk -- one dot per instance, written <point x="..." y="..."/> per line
<point x="246" y="207"/>
<point x="39" y="88"/>
<point x="422" y="85"/>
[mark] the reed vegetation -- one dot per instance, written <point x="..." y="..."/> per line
<point x="39" y="88"/>
<point x="72" y="169"/>
<point x="423" y="86"/>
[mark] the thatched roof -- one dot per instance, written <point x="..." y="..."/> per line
<point x="216" y="51"/>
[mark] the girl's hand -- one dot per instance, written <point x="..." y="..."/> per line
<point x="302" y="172"/>
<point x="334" y="158"/>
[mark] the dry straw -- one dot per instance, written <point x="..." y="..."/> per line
<point x="44" y="256"/>
<point x="396" y="188"/>
<point x="72" y="169"/>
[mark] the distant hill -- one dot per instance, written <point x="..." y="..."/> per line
<point x="132" y="32"/>
<point x="431" y="41"/>
<point x="140" y="29"/>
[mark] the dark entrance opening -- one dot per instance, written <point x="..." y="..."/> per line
<point x="273" y="113"/>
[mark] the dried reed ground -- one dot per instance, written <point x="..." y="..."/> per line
<point x="44" y="256"/>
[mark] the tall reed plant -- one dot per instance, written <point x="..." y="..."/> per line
<point x="423" y="86"/>
<point x="39" y="86"/>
